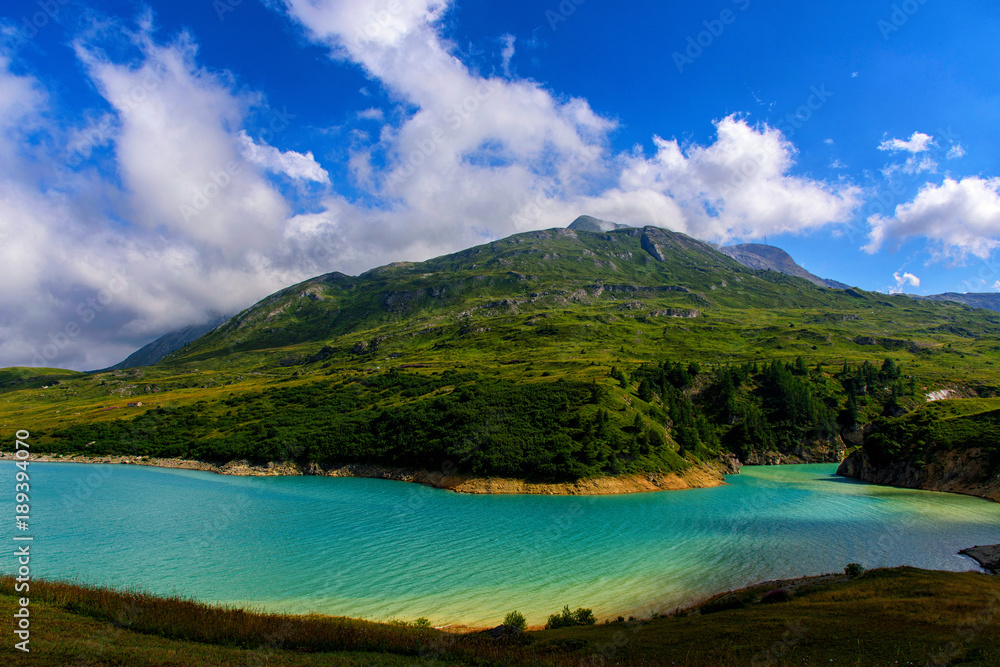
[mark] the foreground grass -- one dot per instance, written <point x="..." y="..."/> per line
<point x="897" y="616"/>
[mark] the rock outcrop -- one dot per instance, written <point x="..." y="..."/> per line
<point x="988" y="556"/>
<point x="966" y="471"/>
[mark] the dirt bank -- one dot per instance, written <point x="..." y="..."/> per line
<point x="696" y="477"/>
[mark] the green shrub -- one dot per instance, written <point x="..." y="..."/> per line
<point x="422" y="622"/>
<point x="568" y="618"/>
<point x="515" y="619"/>
<point x="854" y="570"/>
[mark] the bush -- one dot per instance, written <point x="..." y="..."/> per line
<point x="515" y="619"/>
<point x="422" y="622"/>
<point x="854" y="570"/>
<point x="584" y="617"/>
<point x="569" y="618"/>
<point x="778" y="595"/>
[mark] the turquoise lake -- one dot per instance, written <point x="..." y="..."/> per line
<point x="379" y="549"/>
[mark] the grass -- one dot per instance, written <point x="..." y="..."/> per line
<point x="886" y="616"/>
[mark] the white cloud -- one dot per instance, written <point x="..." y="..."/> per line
<point x="960" y="217"/>
<point x="956" y="151"/>
<point x="916" y="163"/>
<point x="194" y="219"/>
<point x="179" y="161"/>
<point x="511" y="156"/>
<point x="736" y="188"/>
<point x="917" y="143"/>
<point x="902" y="280"/>
<point x="82" y="288"/>
<point x="294" y="165"/>
<point x="508" y="52"/>
<point x="372" y="114"/>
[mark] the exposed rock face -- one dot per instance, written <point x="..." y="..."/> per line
<point x="963" y="471"/>
<point x="768" y="258"/>
<point x="652" y="248"/>
<point x="988" y="557"/>
<point x="729" y="464"/>
<point x="684" y="313"/>
<point x="814" y="452"/>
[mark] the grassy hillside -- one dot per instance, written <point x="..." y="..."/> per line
<point x="943" y="426"/>
<point x="922" y="617"/>
<point x="949" y="445"/>
<point x="552" y="354"/>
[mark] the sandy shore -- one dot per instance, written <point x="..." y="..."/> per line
<point x="696" y="477"/>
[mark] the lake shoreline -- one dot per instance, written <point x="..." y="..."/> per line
<point x="696" y="477"/>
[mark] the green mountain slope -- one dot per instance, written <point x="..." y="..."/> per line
<point x="554" y="355"/>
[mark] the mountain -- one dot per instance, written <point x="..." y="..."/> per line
<point x="988" y="300"/>
<point x="586" y="223"/>
<point x="751" y="255"/>
<point x="552" y="355"/>
<point x="153" y="352"/>
<point x="770" y="258"/>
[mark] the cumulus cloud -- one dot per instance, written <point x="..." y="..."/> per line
<point x="204" y="228"/>
<point x="917" y="143"/>
<point x="960" y="217"/>
<point x="955" y="152"/>
<point x="170" y="207"/>
<point x="902" y="281"/>
<point x="917" y="162"/>
<point x="511" y="155"/>
<point x="739" y="187"/>
<point x="296" y="166"/>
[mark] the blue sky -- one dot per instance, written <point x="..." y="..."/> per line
<point x="159" y="161"/>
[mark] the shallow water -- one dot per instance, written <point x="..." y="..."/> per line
<point x="380" y="549"/>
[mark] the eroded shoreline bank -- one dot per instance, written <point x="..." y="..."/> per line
<point x="696" y="477"/>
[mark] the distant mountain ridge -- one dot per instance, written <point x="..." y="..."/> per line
<point x="754" y="256"/>
<point x="771" y="258"/>
<point x="751" y="255"/>
<point x="150" y="354"/>
<point x="986" y="300"/>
